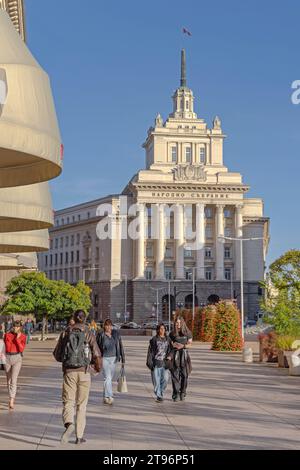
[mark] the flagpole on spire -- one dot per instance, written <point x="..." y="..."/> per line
<point x="183" y="69"/>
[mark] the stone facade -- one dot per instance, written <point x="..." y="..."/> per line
<point x="190" y="214"/>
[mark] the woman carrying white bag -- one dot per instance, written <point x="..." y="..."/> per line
<point x="111" y="347"/>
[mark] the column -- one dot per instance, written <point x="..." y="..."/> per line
<point x="179" y="240"/>
<point x="219" y="243"/>
<point x="160" y="242"/>
<point x="141" y="243"/>
<point x="200" y="240"/>
<point x="238" y="234"/>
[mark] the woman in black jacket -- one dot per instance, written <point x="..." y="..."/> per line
<point x="181" y="338"/>
<point x="111" y="347"/>
<point x="158" y="360"/>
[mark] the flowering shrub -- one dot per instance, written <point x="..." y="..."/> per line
<point x="228" y="335"/>
<point x="208" y="323"/>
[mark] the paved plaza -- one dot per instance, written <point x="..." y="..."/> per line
<point x="230" y="405"/>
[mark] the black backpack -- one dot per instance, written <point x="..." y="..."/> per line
<point x="77" y="351"/>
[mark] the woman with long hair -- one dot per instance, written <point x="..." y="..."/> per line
<point x="157" y="361"/>
<point x="15" y="342"/>
<point x="181" y="338"/>
<point x="111" y="347"/>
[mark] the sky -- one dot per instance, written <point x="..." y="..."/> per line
<point x="114" y="65"/>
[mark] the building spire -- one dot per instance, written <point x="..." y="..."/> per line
<point x="183" y="69"/>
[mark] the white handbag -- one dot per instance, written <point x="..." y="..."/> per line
<point x="122" y="384"/>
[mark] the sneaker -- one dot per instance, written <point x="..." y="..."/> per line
<point x="176" y="398"/>
<point x="106" y="401"/>
<point x="159" y="400"/>
<point x="67" y="432"/>
<point x="110" y="400"/>
<point x="80" y="440"/>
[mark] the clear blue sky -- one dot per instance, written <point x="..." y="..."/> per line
<point x="114" y="65"/>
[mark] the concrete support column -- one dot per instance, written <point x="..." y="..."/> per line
<point x="141" y="243"/>
<point x="179" y="240"/>
<point x="160" y="242"/>
<point x="238" y="234"/>
<point x="219" y="243"/>
<point x="200" y="240"/>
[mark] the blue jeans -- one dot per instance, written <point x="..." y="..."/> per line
<point x="160" y="377"/>
<point x="109" y="366"/>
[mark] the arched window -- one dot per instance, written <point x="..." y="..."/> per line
<point x="188" y="301"/>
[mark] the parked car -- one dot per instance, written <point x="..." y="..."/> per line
<point x="151" y="325"/>
<point x="130" y="324"/>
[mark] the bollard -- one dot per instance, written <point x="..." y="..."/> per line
<point x="247" y="354"/>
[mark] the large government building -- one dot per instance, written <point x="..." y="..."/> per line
<point x="188" y="207"/>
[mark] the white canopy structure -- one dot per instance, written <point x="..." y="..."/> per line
<point x="20" y="242"/>
<point x="25" y="208"/>
<point x="30" y="142"/>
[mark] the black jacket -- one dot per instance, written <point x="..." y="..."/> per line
<point x="120" y="354"/>
<point x="152" y="350"/>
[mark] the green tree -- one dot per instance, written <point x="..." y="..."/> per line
<point x="282" y="298"/>
<point x="34" y="293"/>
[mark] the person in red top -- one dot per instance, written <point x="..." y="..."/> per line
<point x="15" y="342"/>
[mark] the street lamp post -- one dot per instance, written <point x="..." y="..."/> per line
<point x="157" y="289"/>
<point x="241" y="240"/>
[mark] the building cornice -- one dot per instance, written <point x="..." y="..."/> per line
<point x="238" y="188"/>
<point x="15" y="9"/>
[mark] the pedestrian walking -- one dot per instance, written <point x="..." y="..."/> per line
<point x="158" y="361"/>
<point x="181" y="367"/>
<point x="28" y="329"/>
<point x="111" y="347"/>
<point x="78" y="351"/>
<point x="93" y="327"/>
<point x="15" y="342"/>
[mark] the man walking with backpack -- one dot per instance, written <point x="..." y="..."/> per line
<point x="78" y="351"/>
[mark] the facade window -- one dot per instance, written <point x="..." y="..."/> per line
<point x="97" y="252"/>
<point x="78" y="217"/>
<point x="71" y="275"/>
<point x="55" y="275"/>
<point x="148" y="273"/>
<point x="66" y="275"/>
<point x="57" y="222"/>
<point x="227" y="274"/>
<point x="208" y="212"/>
<point x="188" y="154"/>
<point x="227" y="252"/>
<point x="72" y="256"/>
<point x="188" y="253"/>
<point x="61" y="242"/>
<point x="208" y="252"/>
<point x="68" y="220"/>
<point x="227" y="213"/>
<point x="149" y="251"/>
<point x="77" y="274"/>
<point x="61" y="258"/>
<point x="208" y="274"/>
<point x="51" y="260"/>
<point x="62" y="221"/>
<point x="67" y="241"/>
<point x="88" y="215"/>
<point x="56" y="243"/>
<point x="78" y="238"/>
<point x="46" y="260"/>
<point x="169" y="274"/>
<point x="51" y="244"/>
<point x="174" y="154"/>
<point x="67" y="257"/>
<point x="72" y="240"/>
<point x="227" y="232"/>
<point x="77" y="255"/>
<point x="188" y="274"/>
<point x="208" y="232"/>
<point x="50" y="275"/>
<point x="73" y="218"/>
<point x="56" y="259"/>
<point x="202" y="156"/>
<point x="169" y="252"/>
